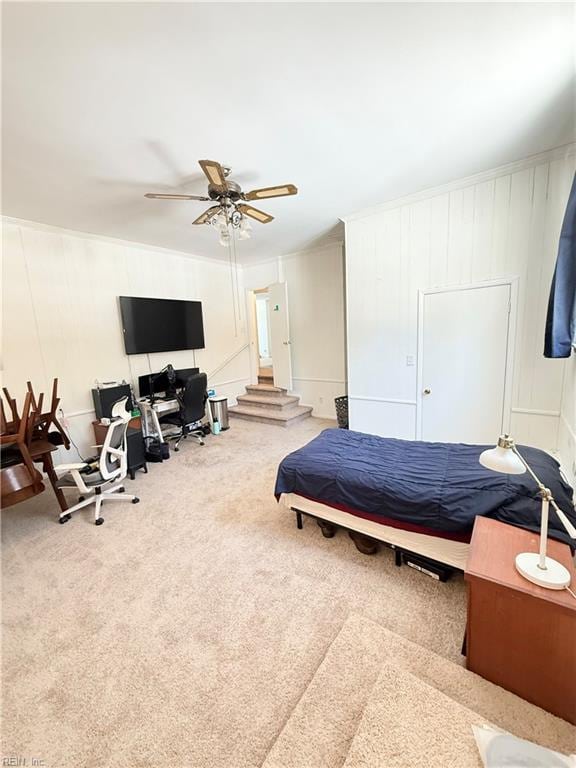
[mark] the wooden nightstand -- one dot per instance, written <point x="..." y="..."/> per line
<point x="519" y="635"/>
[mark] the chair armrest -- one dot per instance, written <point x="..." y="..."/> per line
<point x="64" y="468"/>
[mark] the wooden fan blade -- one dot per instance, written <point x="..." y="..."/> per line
<point x="214" y="173"/>
<point x="281" y="191"/>
<point x="207" y="215"/>
<point x="154" y="196"/>
<point x="254" y="213"/>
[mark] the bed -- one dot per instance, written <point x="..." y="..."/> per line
<point x="417" y="497"/>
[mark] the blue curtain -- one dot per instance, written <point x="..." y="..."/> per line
<point x="560" y="332"/>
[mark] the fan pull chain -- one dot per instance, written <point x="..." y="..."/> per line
<point x="236" y="272"/>
<point x="232" y="286"/>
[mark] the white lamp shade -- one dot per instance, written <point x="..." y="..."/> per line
<point x="502" y="460"/>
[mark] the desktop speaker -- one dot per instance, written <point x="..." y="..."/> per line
<point x="105" y="397"/>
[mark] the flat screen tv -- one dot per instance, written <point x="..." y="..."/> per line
<point x="161" y="325"/>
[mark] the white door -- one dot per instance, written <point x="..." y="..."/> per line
<point x="280" y="335"/>
<point x="463" y="360"/>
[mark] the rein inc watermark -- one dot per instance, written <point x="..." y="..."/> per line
<point x="17" y="761"/>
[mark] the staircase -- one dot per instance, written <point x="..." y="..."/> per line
<point x="378" y="699"/>
<point x="270" y="405"/>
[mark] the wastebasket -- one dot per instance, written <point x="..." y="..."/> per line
<point x="219" y="408"/>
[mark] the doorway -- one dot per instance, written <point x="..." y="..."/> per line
<point x="265" y="363"/>
<point x="465" y="343"/>
<point x="269" y="329"/>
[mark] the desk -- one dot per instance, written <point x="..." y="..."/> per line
<point x="150" y="411"/>
<point x="519" y="635"/>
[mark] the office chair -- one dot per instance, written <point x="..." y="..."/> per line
<point x="192" y="401"/>
<point x="104" y="484"/>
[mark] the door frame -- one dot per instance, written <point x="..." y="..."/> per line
<point x="253" y="335"/>
<point x="253" y="332"/>
<point x="510" y="345"/>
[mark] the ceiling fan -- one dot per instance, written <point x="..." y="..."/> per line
<point x="231" y="204"/>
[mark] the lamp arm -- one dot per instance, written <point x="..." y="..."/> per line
<point x="561" y="515"/>
<point x="523" y="460"/>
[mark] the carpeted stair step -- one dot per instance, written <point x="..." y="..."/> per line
<point x="323" y="723"/>
<point x="284" y="417"/>
<point x="407" y="722"/>
<point x="278" y="402"/>
<point x="321" y="727"/>
<point x="265" y="389"/>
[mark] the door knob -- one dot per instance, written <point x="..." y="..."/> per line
<point x="285" y="343"/>
<point x="426" y="391"/>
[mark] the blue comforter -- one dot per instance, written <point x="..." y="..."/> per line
<point x="439" y="486"/>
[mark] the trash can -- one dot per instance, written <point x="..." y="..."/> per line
<point x="219" y="408"/>
<point x="341" y="404"/>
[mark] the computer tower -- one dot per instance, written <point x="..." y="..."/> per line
<point x="105" y="397"/>
<point x="136" y="451"/>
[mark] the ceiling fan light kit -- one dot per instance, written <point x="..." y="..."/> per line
<point x="229" y="211"/>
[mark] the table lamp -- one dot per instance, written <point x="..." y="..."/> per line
<point x="536" y="567"/>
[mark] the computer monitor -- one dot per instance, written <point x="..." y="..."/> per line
<point x="160" y="383"/>
<point x="148" y="382"/>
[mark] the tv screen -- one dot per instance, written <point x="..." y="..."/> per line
<point x="161" y="325"/>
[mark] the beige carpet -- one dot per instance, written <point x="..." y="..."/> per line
<point x="345" y="689"/>
<point x="408" y="723"/>
<point x="185" y="630"/>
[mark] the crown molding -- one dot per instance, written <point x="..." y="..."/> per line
<point x="55" y="230"/>
<point x="566" y="150"/>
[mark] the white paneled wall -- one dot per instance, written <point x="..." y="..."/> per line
<point x="315" y="281"/>
<point x="567" y="425"/>
<point x="504" y="223"/>
<point x="61" y="315"/>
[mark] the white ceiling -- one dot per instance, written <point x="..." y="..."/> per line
<point x="354" y="103"/>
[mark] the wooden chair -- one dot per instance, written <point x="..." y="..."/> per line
<point x="19" y="481"/>
<point x="12" y="424"/>
<point x="44" y="421"/>
<point x="37" y="436"/>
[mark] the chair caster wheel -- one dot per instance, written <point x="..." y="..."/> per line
<point x="176" y="450"/>
<point x="202" y="442"/>
<point x="81" y="498"/>
<point x="135" y="500"/>
<point x="99" y="521"/>
<point x="121" y="489"/>
<point x="64" y="519"/>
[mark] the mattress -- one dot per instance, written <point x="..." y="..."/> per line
<point x="436" y="489"/>
<point x="448" y="551"/>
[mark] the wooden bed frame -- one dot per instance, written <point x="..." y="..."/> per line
<point x="431" y="554"/>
